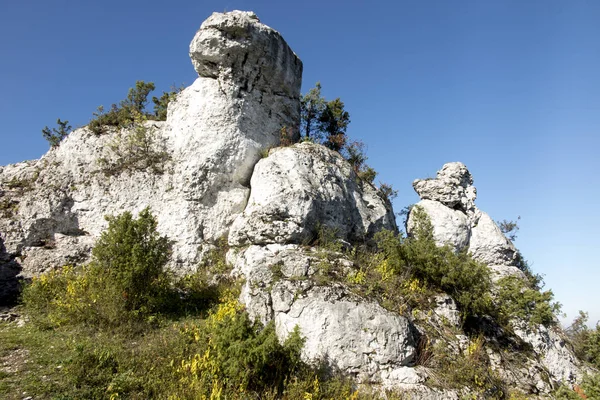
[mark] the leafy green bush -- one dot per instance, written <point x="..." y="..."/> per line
<point x="123" y="115"/>
<point x="132" y="255"/>
<point x="419" y="257"/>
<point x="234" y="354"/>
<point x="54" y="136"/>
<point x="125" y="281"/>
<point x="161" y="103"/>
<point x="588" y="389"/>
<point x="585" y="341"/>
<point x="326" y="121"/>
<point x="516" y="299"/>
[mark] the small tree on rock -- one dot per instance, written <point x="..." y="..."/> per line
<point x="333" y="122"/>
<point x="312" y="106"/>
<point x="56" y="135"/>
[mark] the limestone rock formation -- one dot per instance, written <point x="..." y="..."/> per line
<point x="296" y="190"/>
<point x="213" y="181"/>
<point x="451" y="226"/>
<point x="452" y="187"/>
<point x="248" y="89"/>
<point x="449" y="201"/>
<point x="349" y="333"/>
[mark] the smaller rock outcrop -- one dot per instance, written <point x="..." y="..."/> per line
<point x="449" y="202"/>
<point x="298" y="189"/>
<point x="452" y="187"/>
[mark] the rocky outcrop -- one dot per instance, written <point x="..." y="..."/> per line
<point x="248" y="89"/>
<point x="452" y="187"/>
<point x="215" y="180"/>
<point x="299" y="189"/>
<point x="449" y="202"/>
<point x="296" y="191"/>
<point x="341" y="330"/>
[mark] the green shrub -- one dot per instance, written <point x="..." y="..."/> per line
<point x="588" y="389"/>
<point x="125" y="281"/>
<point x="233" y="354"/>
<point x="132" y="255"/>
<point x="585" y="341"/>
<point x="161" y="103"/>
<point x="123" y="115"/>
<point x="135" y="149"/>
<point x="419" y="257"/>
<point x="387" y="191"/>
<point x="54" y="136"/>
<point x="516" y="299"/>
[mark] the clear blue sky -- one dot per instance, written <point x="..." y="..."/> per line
<point x="510" y="88"/>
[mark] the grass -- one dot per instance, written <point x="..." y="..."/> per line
<point x="77" y="362"/>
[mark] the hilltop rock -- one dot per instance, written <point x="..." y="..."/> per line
<point x="214" y="134"/>
<point x="235" y="46"/>
<point x="298" y="189"/>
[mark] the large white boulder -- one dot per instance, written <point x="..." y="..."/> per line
<point x="297" y="189"/>
<point x="489" y="245"/>
<point x="450" y="226"/>
<point x="350" y="334"/>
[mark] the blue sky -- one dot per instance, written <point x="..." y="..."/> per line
<point x="510" y="88"/>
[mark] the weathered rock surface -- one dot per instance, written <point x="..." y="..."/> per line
<point x="452" y="187"/>
<point x="451" y="226"/>
<point x="248" y="89"/>
<point x="236" y="46"/>
<point x="297" y="189"/>
<point x="348" y="333"/>
<point x="449" y="201"/>
<point x="552" y="350"/>
<point x="489" y="245"/>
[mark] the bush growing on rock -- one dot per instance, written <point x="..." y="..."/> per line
<point x="440" y="268"/>
<point x="518" y="300"/>
<point x="123" y="115"/>
<point x="55" y="135"/>
<point x="234" y="354"/>
<point x="585" y="340"/>
<point x="135" y="149"/>
<point x="125" y="281"/>
<point x="161" y="103"/>
<point x="326" y="121"/>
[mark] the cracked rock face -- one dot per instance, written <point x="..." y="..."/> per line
<point x="248" y="89"/>
<point x="236" y="46"/>
<point x="350" y="334"/>
<point x="297" y="189"/>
